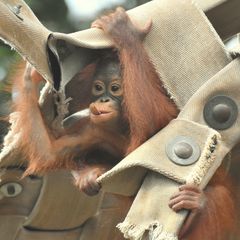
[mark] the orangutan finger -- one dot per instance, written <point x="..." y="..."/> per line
<point x="27" y="74"/>
<point x="190" y="187"/>
<point x="36" y="77"/>
<point x="182" y="193"/>
<point x="97" y="24"/>
<point x="147" y="27"/>
<point x="179" y="199"/>
<point x="121" y="10"/>
<point x="88" y="188"/>
<point x="186" y="204"/>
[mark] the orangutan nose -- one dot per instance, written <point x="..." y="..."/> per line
<point x="105" y="99"/>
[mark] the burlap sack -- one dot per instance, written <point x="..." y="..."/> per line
<point x="187" y="53"/>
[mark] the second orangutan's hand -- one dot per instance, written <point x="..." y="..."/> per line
<point x="189" y="197"/>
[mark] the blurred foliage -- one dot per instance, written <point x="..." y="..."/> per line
<point x="7" y="59"/>
<point x="52" y="13"/>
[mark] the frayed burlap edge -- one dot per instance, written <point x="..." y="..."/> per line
<point x="154" y="231"/>
<point x="205" y="162"/>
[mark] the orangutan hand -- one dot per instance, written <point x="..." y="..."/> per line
<point x="189" y="197"/>
<point x="86" y="178"/>
<point x="31" y="82"/>
<point x="121" y="28"/>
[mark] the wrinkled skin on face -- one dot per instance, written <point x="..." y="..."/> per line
<point x="107" y="95"/>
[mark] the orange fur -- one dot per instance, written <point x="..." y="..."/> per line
<point x="146" y="105"/>
<point x="218" y="219"/>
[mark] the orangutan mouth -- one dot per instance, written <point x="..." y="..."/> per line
<point x="95" y="111"/>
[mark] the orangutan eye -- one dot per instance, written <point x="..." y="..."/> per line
<point x="115" y="88"/>
<point x="98" y="88"/>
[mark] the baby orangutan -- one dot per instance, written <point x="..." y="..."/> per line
<point x="91" y="145"/>
<point x="105" y="113"/>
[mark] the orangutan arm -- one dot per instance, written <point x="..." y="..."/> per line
<point x="212" y="210"/>
<point x="36" y="140"/>
<point x="147" y="107"/>
<point x="40" y="147"/>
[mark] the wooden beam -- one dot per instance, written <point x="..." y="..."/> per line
<point x="206" y="5"/>
<point x="224" y="15"/>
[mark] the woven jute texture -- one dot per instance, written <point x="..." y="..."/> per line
<point x="25" y="33"/>
<point x="191" y="61"/>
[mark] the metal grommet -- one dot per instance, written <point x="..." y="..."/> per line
<point x="183" y="150"/>
<point x="220" y="112"/>
<point x="11" y="189"/>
